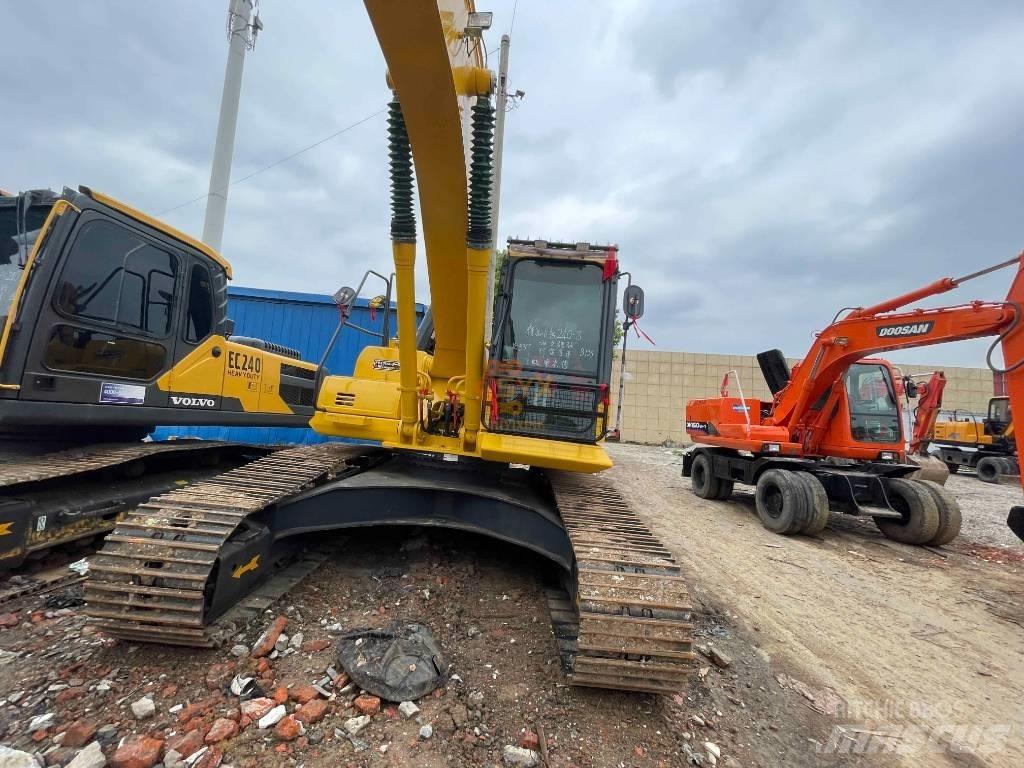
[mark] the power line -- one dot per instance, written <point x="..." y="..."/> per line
<point x="276" y="163"/>
<point x="512" y="26"/>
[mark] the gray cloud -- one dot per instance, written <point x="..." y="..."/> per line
<point x="760" y="164"/>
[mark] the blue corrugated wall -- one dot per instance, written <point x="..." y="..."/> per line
<point x="303" y="321"/>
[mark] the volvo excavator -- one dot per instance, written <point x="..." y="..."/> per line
<point x="831" y="438"/>
<point x="112" y="323"/>
<point x="495" y="430"/>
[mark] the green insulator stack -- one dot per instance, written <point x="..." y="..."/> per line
<point x="403" y="217"/>
<point x="481" y="173"/>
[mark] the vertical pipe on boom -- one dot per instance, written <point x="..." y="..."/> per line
<point x="239" y="13"/>
<point x="479" y="251"/>
<point x="499" y="143"/>
<point x="403" y="248"/>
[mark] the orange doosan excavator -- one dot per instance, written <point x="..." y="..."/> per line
<point x="832" y="438"/>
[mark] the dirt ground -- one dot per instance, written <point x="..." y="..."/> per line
<point x="918" y="651"/>
<point x="845" y="649"/>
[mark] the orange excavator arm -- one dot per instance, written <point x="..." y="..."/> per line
<point x="879" y="329"/>
<point x="929" y="401"/>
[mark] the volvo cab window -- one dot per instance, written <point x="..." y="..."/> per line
<point x="556" y="319"/>
<point x="115" y="277"/>
<point x="84" y="351"/>
<point x="874" y="412"/>
<point x="999" y="417"/>
<point x="200" y="305"/>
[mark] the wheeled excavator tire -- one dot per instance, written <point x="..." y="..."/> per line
<point x="818" y="500"/>
<point x="704" y="483"/>
<point x="989" y="469"/>
<point x="950" y="518"/>
<point x="783" y="502"/>
<point x="920" y="522"/>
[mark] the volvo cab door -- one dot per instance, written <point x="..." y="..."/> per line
<point x="106" y="330"/>
<point x="196" y="382"/>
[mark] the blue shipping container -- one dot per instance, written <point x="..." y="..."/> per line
<point x="303" y="321"/>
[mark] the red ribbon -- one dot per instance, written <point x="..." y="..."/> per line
<point x="493" y="386"/>
<point x="611" y="265"/>
<point x="640" y="332"/>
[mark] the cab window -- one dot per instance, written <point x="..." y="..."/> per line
<point x="555" y="321"/>
<point x="113" y="276"/>
<point x="874" y="412"/>
<point x="81" y="350"/>
<point x="199" y="320"/>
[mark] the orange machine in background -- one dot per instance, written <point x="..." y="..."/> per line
<point x="832" y="437"/>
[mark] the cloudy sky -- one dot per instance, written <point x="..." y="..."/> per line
<point x="761" y="164"/>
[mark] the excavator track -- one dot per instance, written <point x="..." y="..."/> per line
<point x="632" y="613"/>
<point x="19" y="469"/>
<point x="53" y="496"/>
<point x="153" y="578"/>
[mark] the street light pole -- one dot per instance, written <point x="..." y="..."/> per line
<point x="241" y="37"/>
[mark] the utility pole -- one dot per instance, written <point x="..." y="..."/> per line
<point x="499" y="143"/>
<point x="241" y="38"/>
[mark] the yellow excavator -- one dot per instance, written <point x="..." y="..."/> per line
<point x="986" y="445"/>
<point x="492" y="430"/>
<point x="112" y="323"/>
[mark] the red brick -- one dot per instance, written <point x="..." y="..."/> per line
<point x="312" y="711"/>
<point x="280" y="695"/>
<point x="138" y="753"/>
<point x="367" y="705"/>
<point x="288" y="729"/>
<point x="266" y="642"/>
<point x="186" y="744"/>
<point x="222" y="729"/>
<point x="254" y="709"/>
<point x="8" y="620"/>
<point x="78" y="734"/>
<point x="304" y="693"/>
<point x="315" y="646"/>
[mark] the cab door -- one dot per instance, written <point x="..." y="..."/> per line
<point x="196" y="382"/>
<point x="106" y="332"/>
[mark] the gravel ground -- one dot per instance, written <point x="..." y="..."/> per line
<point x="984" y="507"/>
<point x="844" y="649"/>
<point x="916" y="650"/>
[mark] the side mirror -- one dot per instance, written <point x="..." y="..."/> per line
<point x="229" y="327"/>
<point x="344" y="297"/>
<point x="633" y="302"/>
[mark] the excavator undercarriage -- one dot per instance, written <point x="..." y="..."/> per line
<point x="175" y="569"/>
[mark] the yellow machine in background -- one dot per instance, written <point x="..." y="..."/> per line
<point x="987" y="445"/>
